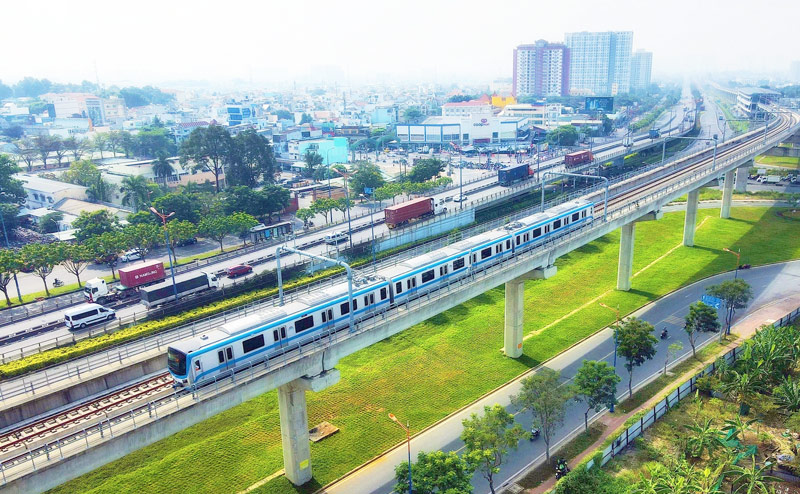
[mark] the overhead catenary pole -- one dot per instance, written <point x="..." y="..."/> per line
<point x="576" y="175"/>
<point x="166" y="242"/>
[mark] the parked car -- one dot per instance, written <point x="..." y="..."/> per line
<point x="188" y="241"/>
<point x="239" y="270"/>
<point x="131" y="255"/>
<point x="336" y="237"/>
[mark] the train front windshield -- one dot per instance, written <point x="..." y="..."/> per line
<point x="176" y="362"/>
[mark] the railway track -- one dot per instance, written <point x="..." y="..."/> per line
<point x="93" y="413"/>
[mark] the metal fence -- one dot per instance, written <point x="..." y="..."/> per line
<point x="685" y="390"/>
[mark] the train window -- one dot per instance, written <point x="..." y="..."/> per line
<point x="344" y="308"/>
<point x="566" y="220"/>
<point x="411" y="283"/>
<point x="443" y="270"/>
<point x="547" y="228"/>
<point x="372" y="298"/>
<point x="498" y="248"/>
<point x="324" y="316"/>
<point x="508" y="244"/>
<point x="330" y="314"/>
<point x="398" y="288"/>
<point x="537" y="232"/>
<point x="487" y="252"/>
<point x="527" y="237"/>
<point x="304" y="323"/>
<point x="575" y="216"/>
<point x="197" y="366"/>
<point x="427" y="276"/>
<point x="384" y="293"/>
<point x="229" y="353"/>
<point x="221" y="357"/>
<point x="275" y="335"/>
<point x="283" y="331"/>
<point x="556" y="224"/>
<point x="366" y="300"/>
<point x="253" y="343"/>
<point x="518" y="240"/>
<point x="458" y="263"/>
<point x="583" y="213"/>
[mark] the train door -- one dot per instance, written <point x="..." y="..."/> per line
<point x="279" y="336"/>
<point x="225" y="357"/>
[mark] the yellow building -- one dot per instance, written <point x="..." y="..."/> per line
<point x="501" y="101"/>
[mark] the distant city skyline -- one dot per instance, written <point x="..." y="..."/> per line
<point x="360" y="42"/>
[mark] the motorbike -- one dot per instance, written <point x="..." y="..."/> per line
<point x="561" y="468"/>
<point x="535" y="434"/>
<point x="664" y="334"/>
<point x="57" y="283"/>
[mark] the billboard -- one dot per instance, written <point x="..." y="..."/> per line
<point x="603" y="104"/>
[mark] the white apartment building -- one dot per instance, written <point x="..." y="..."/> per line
<point x="599" y="63"/>
<point x="641" y="68"/>
<point x="541" y="69"/>
<point x="467" y="108"/>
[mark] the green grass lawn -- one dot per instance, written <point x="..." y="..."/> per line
<point x="782" y="161"/>
<point x="434" y="368"/>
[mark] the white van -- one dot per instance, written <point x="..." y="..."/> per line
<point x="87" y="314"/>
<point x="335" y="238"/>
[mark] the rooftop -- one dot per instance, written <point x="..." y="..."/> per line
<point x="45" y="184"/>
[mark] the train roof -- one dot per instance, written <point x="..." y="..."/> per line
<point x="549" y="213"/>
<point x="197" y="342"/>
<point x="259" y="317"/>
<point x="475" y="241"/>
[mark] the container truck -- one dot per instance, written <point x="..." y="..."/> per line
<point x="578" y="158"/>
<point x="186" y="284"/>
<point x="509" y="175"/>
<point x="412" y="210"/>
<point x="130" y="279"/>
<point x="654" y="134"/>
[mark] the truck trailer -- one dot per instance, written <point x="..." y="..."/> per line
<point x="578" y="158"/>
<point x="130" y="279"/>
<point x="413" y="210"/>
<point x="510" y="174"/>
<point x="186" y="284"/>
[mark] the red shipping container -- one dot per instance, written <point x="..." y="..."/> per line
<point x="141" y="274"/>
<point x="402" y="213"/>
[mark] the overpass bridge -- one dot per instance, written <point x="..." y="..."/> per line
<point x="312" y="367"/>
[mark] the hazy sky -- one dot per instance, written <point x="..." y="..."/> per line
<point x="148" y="41"/>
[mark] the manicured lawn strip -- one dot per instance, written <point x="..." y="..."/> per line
<point x="434" y="368"/>
<point x="714" y="194"/>
<point x="782" y="161"/>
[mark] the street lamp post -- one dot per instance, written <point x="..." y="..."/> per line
<point x="166" y="242"/>
<point x="346" y="175"/>
<point x="738" y="255"/>
<point x="616" y="325"/>
<point x="8" y="246"/>
<point x="408" y="442"/>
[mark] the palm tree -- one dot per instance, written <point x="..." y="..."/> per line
<point x="750" y="479"/>
<point x="162" y="168"/>
<point x="135" y="191"/>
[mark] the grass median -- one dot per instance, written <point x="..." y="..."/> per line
<point x="434" y="368"/>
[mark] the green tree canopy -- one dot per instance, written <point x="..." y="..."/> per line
<point x="107" y="247"/>
<point x="143" y="237"/>
<point x="565" y="135"/>
<point x="313" y="160"/>
<point x="92" y="224"/>
<point x="364" y="175"/>
<point x="74" y="258"/>
<point x="701" y="317"/>
<point x="252" y="160"/>
<point x="435" y="473"/>
<point x="546" y="397"/>
<point x="258" y="203"/>
<point x="488" y="438"/>
<point x="10" y="264"/>
<point x="81" y="172"/>
<point x="136" y="192"/>
<point x="636" y="344"/>
<point x="42" y="258"/>
<point x="241" y="223"/>
<point x="11" y="190"/>
<point x="216" y="227"/>
<point x="209" y="148"/>
<point x="425" y="169"/>
<point x="49" y="222"/>
<point x="734" y="293"/>
<point x="596" y="385"/>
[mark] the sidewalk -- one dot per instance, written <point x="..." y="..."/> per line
<point x="745" y="329"/>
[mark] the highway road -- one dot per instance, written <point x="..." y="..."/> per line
<point x="475" y="191"/>
<point x="770" y="283"/>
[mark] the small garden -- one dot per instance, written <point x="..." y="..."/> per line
<point x="738" y="434"/>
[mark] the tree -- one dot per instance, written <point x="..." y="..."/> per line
<point x="435" y="473"/>
<point x="100" y="143"/>
<point x="152" y="141"/>
<point x="426" y="169"/>
<point x="313" y="160"/>
<point x="216" y="227"/>
<point x="135" y="191"/>
<point x="94" y="224"/>
<point x="741" y="388"/>
<point x="107" y="247"/>
<point x="305" y="118"/>
<point x="324" y="206"/>
<point x="11" y="190"/>
<point x="57" y="147"/>
<point x="636" y="344"/>
<point x="388" y="191"/>
<point x="180" y="231"/>
<point x="42" y="258"/>
<point x="209" y="148"/>
<point x="304" y="214"/>
<point x="44" y="146"/>
<point x="284" y="115"/>
<point x="734" y="293"/>
<point x="74" y="258"/>
<point x="487" y="439"/>
<point x="258" y="203"/>
<point x="77" y="147"/>
<point x="253" y="160"/>
<point x="10" y="265"/>
<point x="100" y="190"/>
<point x="596" y="384"/>
<point x="412" y="114"/>
<point x="5" y="91"/>
<point x="49" y="222"/>
<point x="30" y="87"/>
<point x="672" y="353"/>
<point x="543" y="394"/>
<point x="26" y="149"/>
<point x="364" y="175"/>
<point x="126" y="142"/>
<point x="162" y="168"/>
<point x="751" y="479"/>
<point x="241" y="223"/>
<point x="186" y="205"/>
<point x="142" y="237"/>
<point x="565" y="135"/>
<point x="81" y="172"/>
<point x="701" y="317"/>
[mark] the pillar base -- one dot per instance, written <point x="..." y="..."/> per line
<point x="727" y="195"/>
<point x="741" y="177"/>
<point x="690" y="221"/>
<point x="625" y="268"/>
<point x="515" y="310"/>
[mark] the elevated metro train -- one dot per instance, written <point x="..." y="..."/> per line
<point x="266" y="333"/>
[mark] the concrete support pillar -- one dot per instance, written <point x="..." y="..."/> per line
<point x="690" y="222"/>
<point x="625" y="269"/>
<point x="741" y="177"/>
<point x="294" y="423"/>
<point x="515" y="309"/>
<point x="727" y="195"/>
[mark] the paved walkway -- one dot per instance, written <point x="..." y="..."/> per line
<point x="745" y="329"/>
<point x="771" y="285"/>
